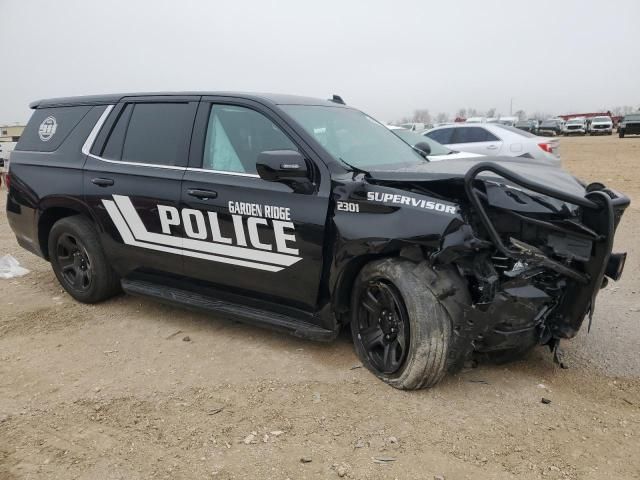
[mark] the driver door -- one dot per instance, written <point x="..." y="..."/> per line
<point x="243" y="234"/>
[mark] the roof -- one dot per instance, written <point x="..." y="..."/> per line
<point x="273" y="98"/>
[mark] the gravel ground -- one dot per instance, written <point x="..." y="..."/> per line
<point x="115" y="391"/>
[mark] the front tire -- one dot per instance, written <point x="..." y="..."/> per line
<point x="401" y="332"/>
<point x="79" y="262"/>
<point x="621" y="134"/>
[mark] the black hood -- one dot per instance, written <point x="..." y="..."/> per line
<point x="535" y="170"/>
<point x="497" y="187"/>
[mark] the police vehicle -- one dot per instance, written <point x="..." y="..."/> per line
<point x="308" y="216"/>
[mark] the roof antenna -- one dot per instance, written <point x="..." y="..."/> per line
<point x="337" y="99"/>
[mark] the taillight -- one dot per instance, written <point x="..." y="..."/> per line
<point x="546" y="147"/>
<point x="7" y="180"/>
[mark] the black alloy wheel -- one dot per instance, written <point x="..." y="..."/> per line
<point x="74" y="262"/>
<point x="383" y="326"/>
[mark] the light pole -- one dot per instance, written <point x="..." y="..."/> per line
<point x="511" y="107"/>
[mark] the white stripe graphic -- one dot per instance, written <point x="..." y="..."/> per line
<point x="141" y="233"/>
<point x="129" y="239"/>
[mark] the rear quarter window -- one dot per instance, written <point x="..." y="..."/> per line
<point x="49" y="127"/>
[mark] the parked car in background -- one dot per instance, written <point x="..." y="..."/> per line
<point x="436" y="150"/>
<point x="575" y="126"/>
<point x="416" y="126"/>
<point x="630" y="125"/>
<point x="509" y="121"/>
<point x="601" y="126"/>
<point x="528" y="125"/>
<point x="496" y="140"/>
<point x="550" y="126"/>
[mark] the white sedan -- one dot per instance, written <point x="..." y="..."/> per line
<point x="496" y="140"/>
<point x="437" y="151"/>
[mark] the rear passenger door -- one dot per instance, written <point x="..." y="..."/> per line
<point x="245" y="235"/>
<point x="132" y="178"/>
<point x="476" y="140"/>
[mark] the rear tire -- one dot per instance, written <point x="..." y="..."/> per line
<point x="391" y="305"/>
<point x="79" y="262"/>
<point x="621" y="134"/>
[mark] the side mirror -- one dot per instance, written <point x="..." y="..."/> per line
<point x="286" y="166"/>
<point x="423" y="148"/>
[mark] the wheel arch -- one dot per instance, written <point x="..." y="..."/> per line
<point x="343" y="282"/>
<point x="51" y="211"/>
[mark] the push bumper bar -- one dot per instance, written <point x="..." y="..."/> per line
<point x="602" y="209"/>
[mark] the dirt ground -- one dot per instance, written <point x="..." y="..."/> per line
<point x="113" y="391"/>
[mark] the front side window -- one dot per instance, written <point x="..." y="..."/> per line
<point x="236" y="136"/>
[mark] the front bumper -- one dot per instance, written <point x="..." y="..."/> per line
<point x="601" y="130"/>
<point x="601" y="209"/>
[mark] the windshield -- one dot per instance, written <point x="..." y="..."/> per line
<point x="523" y="124"/>
<point x="601" y="119"/>
<point x="412" y="138"/>
<point x="515" y="130"/>
<point x="353" y="137"/>
<point x="632" y="118"/>
<point x="575" y="121"/>
<point x="549" y="123"/>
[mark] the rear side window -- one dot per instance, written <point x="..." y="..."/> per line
<point x="48" y="128"/>
<point x="151" y="133"/>
<point x="442" y="135"/>
<point x="474" y="135"/>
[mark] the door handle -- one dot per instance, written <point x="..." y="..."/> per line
<point x="103" y="182"/>
<point x="492" y="147"/>
<point x="202" y="194"/>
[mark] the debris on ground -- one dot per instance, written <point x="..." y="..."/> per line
<point x="169" y="337"/>
<point x="305" y="460"/>
<point x="546" y="401"/>
<point x="384" y="460"/>
<point x="186" y="338"/>
<point x="10" y="267"/>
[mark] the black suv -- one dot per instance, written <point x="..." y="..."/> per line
<point x="307" y="215"/>
<point x="630" y="125"/>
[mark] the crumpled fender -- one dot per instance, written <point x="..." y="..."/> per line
<point x="399" y="220"/>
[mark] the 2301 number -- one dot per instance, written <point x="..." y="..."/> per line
<point x="348" y="207"/>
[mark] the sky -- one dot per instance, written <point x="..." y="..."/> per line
<point x="387" y="58"/>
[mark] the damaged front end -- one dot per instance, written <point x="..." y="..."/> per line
<point x="534" y="258"/>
